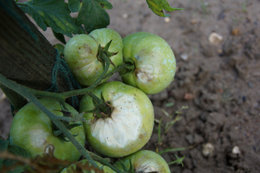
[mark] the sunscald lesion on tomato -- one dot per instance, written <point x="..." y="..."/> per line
<point x="32" y="130"/>
<point x="129" y="126"/>
<point x="154" y="62"/>
<point x="124" y="122"/>
<point x="144" y="161"/>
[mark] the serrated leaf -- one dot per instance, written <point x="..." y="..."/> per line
<point x="51" y="13"/>
<point x="59" y="36"/>
<point x="158" y="7"/>
<point x="74" y="5"/>
<point x="105" y="4"/>
<point x="92" y="15"/>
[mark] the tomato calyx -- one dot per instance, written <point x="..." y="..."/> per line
<point x="103" y="55"/>
<point x="128" y="66"/>
<point x="103" y="109"/>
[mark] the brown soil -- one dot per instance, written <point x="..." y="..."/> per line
<point x="218" y="82"/>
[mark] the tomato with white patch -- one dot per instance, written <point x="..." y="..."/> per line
<point x="144" y="161"/>
<point x="81" y="52"/>
<point x="153" y="59"/>
<point x="32" y="130"/>
<point x="124" y="129"/>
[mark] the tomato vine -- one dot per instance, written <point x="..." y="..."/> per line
<point x="92" y="14"/>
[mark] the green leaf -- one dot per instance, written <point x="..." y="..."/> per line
<point x="105" y="4"/>
<point x="74" y="5"/>
<point x="16" y="150"/>
<point x="178" y="161"/>
<point x="159" y="6"/>
<point x="51" y="13"/>
<point x="3" y="145"/>
<point x="18" y="169"/>
<point x="92" y="15"/>
<point x="59" y="36"/>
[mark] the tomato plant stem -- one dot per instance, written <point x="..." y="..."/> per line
<point x="64" y="95"/>
<point x="23" y="91"/>
<point x="27" y="93"/>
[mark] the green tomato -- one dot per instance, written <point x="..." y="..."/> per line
<point x="129" y="126"/>
<point x="144" y="161"/>
<point x="32" y="130"/>
<point x="85" y="167"/>
<point x="81" y="51"/>
<point x="154" y="61"/>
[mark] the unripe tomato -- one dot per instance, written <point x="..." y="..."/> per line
<point x="145" y="161"/>
<point x="154" y="61"/>
<point x="32" y="130"/>
<point x="84" y="167"/>
<point x="129" y="126"/>
<point x="81" y="54"/>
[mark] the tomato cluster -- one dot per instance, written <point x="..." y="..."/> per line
<point x="119" y="117"/>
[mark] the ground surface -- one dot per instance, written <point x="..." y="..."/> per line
<point x="219" y="83"/>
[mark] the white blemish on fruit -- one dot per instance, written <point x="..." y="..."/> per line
<point x="148" y="166"/>
<point x="124" y="125"/>
<point x="38" y="137"/>
<point x="87" y="69"/>
<point x="145" y="73"/>
<point x="84" y="51"/>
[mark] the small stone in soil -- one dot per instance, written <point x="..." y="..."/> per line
<point x="235" y="150"/>
<point x="207" y="149"/>
<point x="215" y="38"/>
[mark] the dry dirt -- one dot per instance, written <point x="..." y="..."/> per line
<point x="219" y="83"/>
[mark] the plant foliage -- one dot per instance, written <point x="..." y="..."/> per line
<point x="51" y="13"/>
<point x="160" y="6"/>
<point x="14" y="159"/>
<point x="57" y="15"/>
<point x="91" y="14"/>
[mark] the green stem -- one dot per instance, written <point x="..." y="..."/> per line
<point x="30" y="97"/>
<point x="64" y="95"/>
<point x="24" y="92"/>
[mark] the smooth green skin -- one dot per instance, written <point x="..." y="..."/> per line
<point x="144" y="105"/>
<point x="81" y="51"/>
<point x="154" y="61"/>
<point x="32" y="130"/>
<point x="142" y="160"/>
<point x="72" y="168"/>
